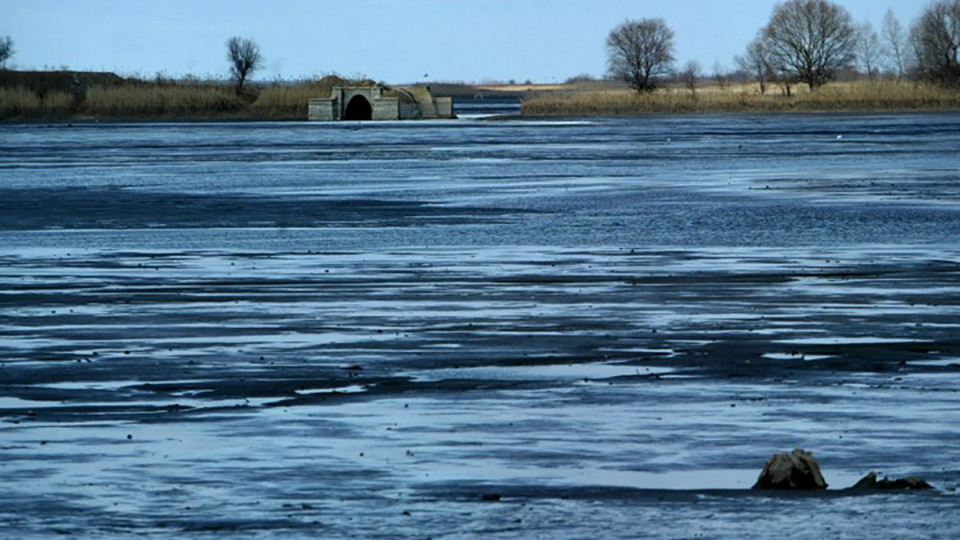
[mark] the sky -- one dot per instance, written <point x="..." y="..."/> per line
<point x="395" y="41"/>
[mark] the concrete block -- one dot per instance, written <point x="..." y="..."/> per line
<point x="444" y="107"/>
<point x="386" y="108"/>
<point x="322" y="110"/>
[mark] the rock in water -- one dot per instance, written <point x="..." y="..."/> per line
<point x="870" y="482"/>
<point x="796" y="470"/>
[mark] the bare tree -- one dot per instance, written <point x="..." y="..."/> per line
<point x="812" y="39"/>
<point x="755" y="62"/>
<point x="868" y="49"/>
<point x="244" y="57"/>
<point x="785" y="80"/>
<point x="894" y="42"/>
<point x="935" y="38"/>
<point x="720" y="75"/>
<point x="640" y="52"/>
<point x="690" y="76"/>
<point x="6" y="50"/>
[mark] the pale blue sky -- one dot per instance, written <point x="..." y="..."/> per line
<point x="391" y="40"/>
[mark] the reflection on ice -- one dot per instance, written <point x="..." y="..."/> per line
<point x="840" y="340"/>
<point x="352" y="389"/>
<point x="794" y="356"/>
<point x="584" y="372"/>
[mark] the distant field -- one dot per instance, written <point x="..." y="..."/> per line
<point x="594" y="85"/>
<point x="566" y="100"/>
<point x="526" y="87"/>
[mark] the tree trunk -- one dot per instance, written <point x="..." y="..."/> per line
<point x="240" y="82"/>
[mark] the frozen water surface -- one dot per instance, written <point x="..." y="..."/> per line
<point x="600" y="326"/>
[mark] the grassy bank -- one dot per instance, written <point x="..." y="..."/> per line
<point x="73" y="95"/>
<point x="43" y="98"/>
<point x="859" y="96"/>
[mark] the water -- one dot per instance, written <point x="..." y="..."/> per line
<point x="466" y="108"/>
<point x="671" y="181"/>
<point x="292" y="329"/>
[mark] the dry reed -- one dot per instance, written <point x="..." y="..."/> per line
<point x="165" y="98"/>
<point x="23" y="102"/>
<point x="160" y="100"/>
<point x="857" y="96"/>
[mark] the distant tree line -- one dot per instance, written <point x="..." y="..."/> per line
<point x="805" y="41"/>
<point x="935" y="40"/>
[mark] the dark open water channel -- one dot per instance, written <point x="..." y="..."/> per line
<point x="359" y="330"/>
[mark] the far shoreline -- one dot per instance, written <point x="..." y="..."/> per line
<point x="30" y="98"/>
<point x="860" y="96"/>
<point x="67" y="121"/>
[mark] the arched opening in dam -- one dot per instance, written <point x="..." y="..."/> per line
<point x="358" y="109"/>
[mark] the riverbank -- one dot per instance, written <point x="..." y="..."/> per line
<point x="858" y="96"/>
<point x="91" y="97"/>
<point x="82" y="96"/>
<point x="71" y="96"/>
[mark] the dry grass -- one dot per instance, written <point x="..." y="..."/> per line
<point x="838" y="97"/>
<point x="287" y="102"/>
<point x="160" y="100"/>
<point x="22" y="102"/>
<point x="131" y="99"/>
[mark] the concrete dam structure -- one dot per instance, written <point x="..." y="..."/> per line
<point x="380" y="103"/>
